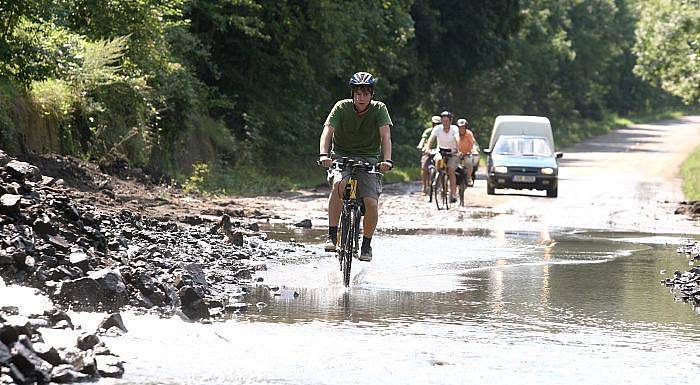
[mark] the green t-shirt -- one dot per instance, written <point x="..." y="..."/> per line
<point x="427" y="133"/>
<point x="356" y="135"/>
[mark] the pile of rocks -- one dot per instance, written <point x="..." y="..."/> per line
<point x="89" y="260"/>
<point x="691" y="208"/>
<point x="26" y="359"/>
<point x="688" y="283"/>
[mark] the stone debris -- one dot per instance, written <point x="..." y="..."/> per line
<point x="687" y="284"/>
<point x="90" y="260"/>
<point x="26" y="359"/>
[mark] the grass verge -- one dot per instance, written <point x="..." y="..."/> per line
<point x="690" y="170"/>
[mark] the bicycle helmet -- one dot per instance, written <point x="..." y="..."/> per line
<point x="362" y="79"/>
<point x="463" y="122"/>
<point x="435" y="119"/>
<point x="446" y="113"/>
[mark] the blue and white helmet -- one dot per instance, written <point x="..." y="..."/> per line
<point x="362" y="79"/>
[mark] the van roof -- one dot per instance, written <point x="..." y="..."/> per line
<point x="521" y="118"/>
<point x="521" y="125"/>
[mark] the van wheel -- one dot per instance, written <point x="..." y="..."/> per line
<point x="490" y="189"/>
<point x="552" y="193"/>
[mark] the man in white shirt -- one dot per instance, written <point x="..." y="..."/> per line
<point x="447" y="136"/>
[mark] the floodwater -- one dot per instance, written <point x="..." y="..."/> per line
<point x="450" y="307"/>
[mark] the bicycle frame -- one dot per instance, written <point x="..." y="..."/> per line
<point x="349" y="225"/>
<point x="439" y="184"/>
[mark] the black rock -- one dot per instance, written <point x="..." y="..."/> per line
<point x="59" y="242"/>
<point x="31" y="365"/>
<point x="48" y="353"/>
<point x="197" y="274"/>
<point x="66" y="374"/>
<point x="8" y="334"/>
<point x="23" y="171"/>
<point x="21" y="324"/>
<point x="104" y="288"/>
<point x="113" y="320"/>
<point x="5" y="355"/>
<point x="109" y="366"/>
<point x="237" y="238"/>
<point x="43" y="225"/>
<point x="6" y="259"/>
<point x="87" y="341"/>
<point x="192" y="303"/>
<point x="80" y="259"/>
<point x="9" y="204"/>
<point x="306" y="223"/>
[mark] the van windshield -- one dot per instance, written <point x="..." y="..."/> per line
<point x="522" y="145"/>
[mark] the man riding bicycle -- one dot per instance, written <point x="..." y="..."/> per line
<point x="359" y="128"/>
<point x="425" y="156"/>
<point x="465" y="145"/>
<point x="447" y="136"/>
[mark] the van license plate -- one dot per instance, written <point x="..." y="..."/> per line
<point x="524" y="178"/>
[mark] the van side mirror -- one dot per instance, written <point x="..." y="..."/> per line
<point x="486" y="151"/>
<point x="559" y="155"/>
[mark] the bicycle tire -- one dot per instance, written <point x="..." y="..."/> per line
<point x="342" y="232"/>
<point x="462" y="190"/>
<point x="431" y="173"/>
<point x="437" y="189"/>
<point x="445" y="192"/>
<point x="349" y="247"/>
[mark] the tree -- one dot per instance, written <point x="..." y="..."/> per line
<point x="668" y="46"/>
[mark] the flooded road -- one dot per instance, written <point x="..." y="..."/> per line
<point x="514" y="288"/>
<point x="502" y="308"/>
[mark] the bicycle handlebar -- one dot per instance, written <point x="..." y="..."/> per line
<point x="345" y="162"/>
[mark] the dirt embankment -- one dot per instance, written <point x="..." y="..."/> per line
<point x="94" y="242"/>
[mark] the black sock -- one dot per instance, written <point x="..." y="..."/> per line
<point x="366" y="242"/>
<point x="333" y="232"/>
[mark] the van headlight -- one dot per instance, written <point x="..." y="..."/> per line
<point x="500" y="169"/>
<point x="547" y="171"/>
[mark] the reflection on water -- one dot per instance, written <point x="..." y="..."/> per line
<point x="444" y="308"/>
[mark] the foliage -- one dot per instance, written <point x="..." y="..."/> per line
<point x="668" y="46"/>
<point x="243" y="86"/>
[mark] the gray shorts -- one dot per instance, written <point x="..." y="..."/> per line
<point x="452" y="161"/>
<point x="368" y="185"/>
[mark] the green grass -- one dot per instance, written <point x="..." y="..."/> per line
<point x="690" y="170"/>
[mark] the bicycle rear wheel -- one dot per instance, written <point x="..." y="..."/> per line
<point x="431" y="173"/>
<point x="349" y="245"/>
<point x="462" y="189"/>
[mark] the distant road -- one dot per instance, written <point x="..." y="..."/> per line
<point x="626" y="180"/>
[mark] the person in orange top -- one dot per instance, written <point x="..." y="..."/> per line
<point x="465" y="145"/>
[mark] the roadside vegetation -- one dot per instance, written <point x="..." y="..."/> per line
<point x="229" y="96"/>
<point x="691" y="176"/>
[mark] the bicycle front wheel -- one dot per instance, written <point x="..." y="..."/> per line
<point x="438" y="189"/>
<point x="342" y="237"/>
<point x="349" y="246"/>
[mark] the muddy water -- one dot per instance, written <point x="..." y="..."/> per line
<point x="452" y="307"/>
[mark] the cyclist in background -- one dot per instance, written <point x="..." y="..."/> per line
<point x="446" y="135"/>
<point x="465" y="145"/>
<point x="425" y="156"/>
<point x="358" y="128"/>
